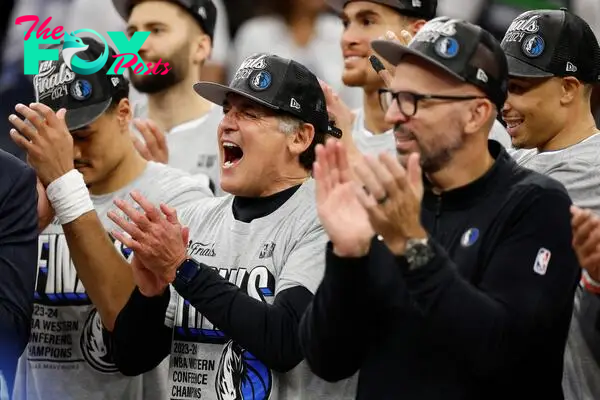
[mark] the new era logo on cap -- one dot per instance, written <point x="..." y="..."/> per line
<point x="547" y="43"/>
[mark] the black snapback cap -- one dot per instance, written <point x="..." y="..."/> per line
<point x="85" y="97"/>
<point x="547" y="43"/>
<point x="425" y="9"/>
<point x="465" y="51"/>
<point x="203" y="11"/>
<point x="279" y="84"/>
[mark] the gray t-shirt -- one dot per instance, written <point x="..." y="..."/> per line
<point x="281" y="250"/>
<point x="368" y="143"/>
<point x="68" y="356"/>
<point x="193" y="145"/>
<point x="577" y="168"/>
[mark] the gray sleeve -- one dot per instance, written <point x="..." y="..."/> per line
<point x="305" y="265"/>
<point x="582" y="181"/>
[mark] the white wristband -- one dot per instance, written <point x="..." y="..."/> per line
<point x="69" y="197"/>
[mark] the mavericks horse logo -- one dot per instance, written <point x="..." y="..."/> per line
<point x="96" y="346"/>
<point x="241" y="376"/>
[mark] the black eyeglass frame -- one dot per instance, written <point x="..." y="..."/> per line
<point x="416" y="97"/>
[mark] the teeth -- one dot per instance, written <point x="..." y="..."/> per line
<point x="352" y="58"/>
<point x="228" y="164"/>
<point x="228" y="144"/>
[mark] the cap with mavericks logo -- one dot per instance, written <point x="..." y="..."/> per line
<point x="547" y="43"/>
<point x="203" y="11"/>
<point x="85" y="97"/>
<point x="466" y="51"/>
<point x="277" y="83"/>
<point x="425" y="9"/>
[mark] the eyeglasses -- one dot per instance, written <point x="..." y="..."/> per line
<point x="407" y="101"/>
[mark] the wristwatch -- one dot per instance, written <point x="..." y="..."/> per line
<point x="418" y="253"/>
<point x="187" y="271"/>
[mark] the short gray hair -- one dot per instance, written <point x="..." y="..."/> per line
<point x="289" y="124"/>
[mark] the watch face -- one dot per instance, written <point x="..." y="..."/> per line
<point x="419" y="254"/>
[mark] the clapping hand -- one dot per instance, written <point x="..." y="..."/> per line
<point x="345" y="220"/>
<point x="586" y="240"/>
<point x="156" y="237"/>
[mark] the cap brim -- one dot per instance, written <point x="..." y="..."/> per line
<point x="520" y="69"/>
<point x="122" y="7"/>
<point x="394" y="52"/>
<point x="217" y="93"/>
<point x="80" y="117"/>
<point x="337" y="5"/>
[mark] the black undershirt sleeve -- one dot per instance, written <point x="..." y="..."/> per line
<point x="140" y="339"/>
<point x="268" y="331"/>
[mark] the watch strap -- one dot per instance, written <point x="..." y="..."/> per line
<point x="187" y="271"/>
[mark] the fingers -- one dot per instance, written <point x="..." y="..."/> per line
<point x="579" y="216"/>
<point x="159" y="136"/>
<point x="324" y="167"/>
<point x="584" y="228"/>
<point x="385" y="75"/>
<point x="185" y="235"/>
<point x="151" y="211"/>
<point x="321" y="191"/>
<point x="588" y="244"/>
<point x="343" y="163"/>
<point x="405" y="37"/>
<point x="332" y="161"/>
<point x="127" y="241"/>
<point x="385" y="178"/>
<point x="47" y="113"/>
<point x="134" y="215"/>
<point x="170" y="213"/>
<point x="144" y="129"/>
<point x="591" y="262"/>
<point x="60" y="115"/>
<point x="366" y="175"/>
<point x="21" y="141"/>
<point x="32" y="116"/>
<point x="131" y="228"/>
<point x="26" y="131"/>
<point x="141" y="147"/>
<point x="380" y="69"/>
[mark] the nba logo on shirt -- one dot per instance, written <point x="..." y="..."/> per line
<point x="541" y="261"/>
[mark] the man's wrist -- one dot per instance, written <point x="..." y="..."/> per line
<point x="357" y="251"/>
<point x="590" y="284"/>
<point x="186" y="271"/>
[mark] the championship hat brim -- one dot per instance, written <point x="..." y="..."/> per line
<point x="83" y="116"/>
<point x="520" y="69"/>
<point x="217" y="93"/>
<point x="394" y="52"/>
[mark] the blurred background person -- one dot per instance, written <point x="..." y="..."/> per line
<point x="181" y="33"/>
<point x="302" y="30"/>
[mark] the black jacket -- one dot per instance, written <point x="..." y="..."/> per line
<point x="18" y="259"/>
<point x="483" y="320"/>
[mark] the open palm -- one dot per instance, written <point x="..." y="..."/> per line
<point x="342" y="215"/>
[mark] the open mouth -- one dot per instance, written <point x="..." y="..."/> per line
<point x="232" y="154"/>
